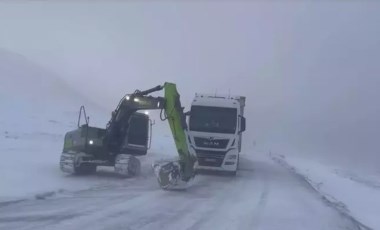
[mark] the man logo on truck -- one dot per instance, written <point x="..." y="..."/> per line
<point x="211" y="142"/>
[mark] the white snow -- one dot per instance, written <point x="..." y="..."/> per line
<point x="356" y="192"/>
<point x="37" y="110"/>
<point x="263" y="195"/>
<point x="32" y="157"/>
<point x="31" y="141"/>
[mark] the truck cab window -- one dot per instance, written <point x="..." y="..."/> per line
<point x="213" y="119"/>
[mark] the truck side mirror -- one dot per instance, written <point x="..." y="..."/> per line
<point x="242" y="124"/>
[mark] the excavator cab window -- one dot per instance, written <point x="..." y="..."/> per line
<point x="135" y="141"/>
<point x="138" y="130"/>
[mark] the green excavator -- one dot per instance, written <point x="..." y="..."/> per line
<point x="126" y="137"/>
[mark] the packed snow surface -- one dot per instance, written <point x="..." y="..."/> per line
<point x="264" y="195"/>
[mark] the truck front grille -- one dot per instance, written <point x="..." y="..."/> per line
<point x="211" y="143"/>
<point x="210" y="158"/>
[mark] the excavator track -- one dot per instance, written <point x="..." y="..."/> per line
<point x="71" y="162"/>
<point x="127" y="165"/>
<point x="67" y="162"/>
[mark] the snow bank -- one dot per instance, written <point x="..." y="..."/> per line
<point x="354" y="192"/>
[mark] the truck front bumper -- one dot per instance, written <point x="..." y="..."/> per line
<point x="228" y="162"/>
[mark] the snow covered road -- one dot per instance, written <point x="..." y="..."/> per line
<point x="263" y="195"/>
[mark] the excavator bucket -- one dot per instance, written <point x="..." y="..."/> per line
<point x="169" y="175"/>
<point x="175" y="175"/>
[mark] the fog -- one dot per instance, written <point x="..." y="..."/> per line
<point x="310" y="71"/>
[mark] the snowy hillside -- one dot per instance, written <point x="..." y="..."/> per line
<point x="37" y="109"/>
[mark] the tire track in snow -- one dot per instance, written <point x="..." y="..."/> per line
<point x="227" y="209"/>
<point x="38" y="218"/>
<point x="80" y="206"/>
<point x="211" y="212"/>
<point x="176" y="210"/>
<point x="260" y="207"/>
<point x="12" y="202"/>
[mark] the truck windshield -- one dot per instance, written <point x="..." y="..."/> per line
<point x="213" y="119"/>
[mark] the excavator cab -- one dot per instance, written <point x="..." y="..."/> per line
<point x="89" y="147"/>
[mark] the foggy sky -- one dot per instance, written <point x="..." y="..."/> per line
<point x="310" y="71"/>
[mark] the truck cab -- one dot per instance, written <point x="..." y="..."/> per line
<point x="216" y="124"/>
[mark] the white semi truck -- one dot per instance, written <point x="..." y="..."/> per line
<point x="216" y="124"/>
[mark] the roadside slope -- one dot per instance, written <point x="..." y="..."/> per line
<point x="354" y="193"/>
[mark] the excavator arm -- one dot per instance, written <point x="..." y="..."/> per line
<point x="173" y="175"/>
<point x="170" y="174"/>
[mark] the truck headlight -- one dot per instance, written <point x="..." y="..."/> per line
<point x="91" y="142"/>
